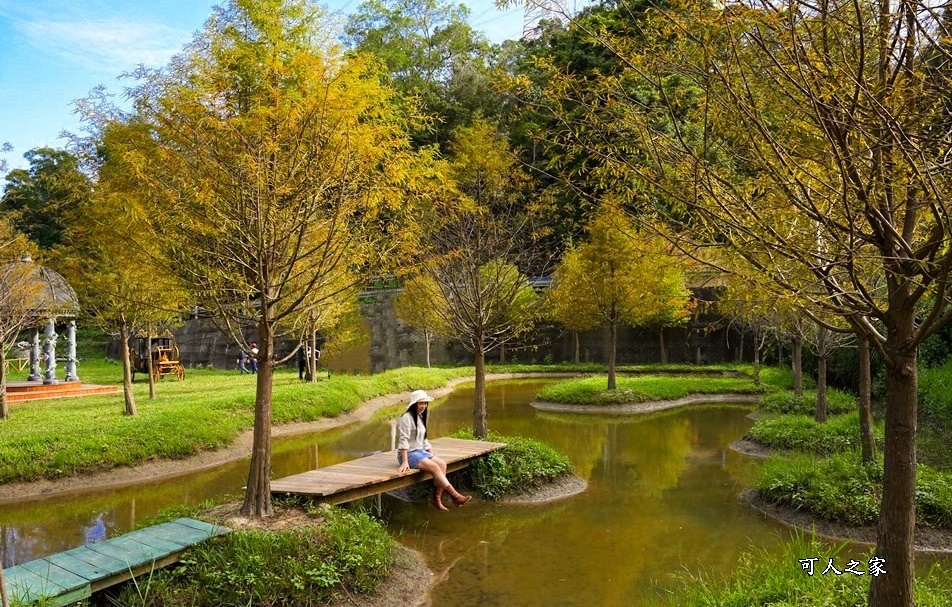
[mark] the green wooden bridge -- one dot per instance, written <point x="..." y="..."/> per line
<point x="68" y="577"/>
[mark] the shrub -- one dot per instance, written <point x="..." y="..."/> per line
<point x="935" y="392"/>
<point x="802" y="433"/>
<point x="307" y="565"/>
<point x="842" y="488"/>
<point x="837" y="402"/>
<point x="523" y="464"/>
<point x="778" y="578"/>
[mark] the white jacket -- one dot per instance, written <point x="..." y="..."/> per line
<point x="411" y="437"/>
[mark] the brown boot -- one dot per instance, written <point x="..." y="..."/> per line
<point x="458" y="498"/>
<point x="437" y="499"/>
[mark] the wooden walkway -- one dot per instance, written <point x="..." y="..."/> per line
<point x="376" y="473"/>
<point x="73" y="575"/>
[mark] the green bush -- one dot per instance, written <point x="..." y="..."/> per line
<point x="773" y="377"/>
<point x="935" y="393"/>
<point x="803" y="433"/>
<point x="523" y="464"/>
<point x="842" y="488"/>
<point x="779" y="578"/>
<point x="786" y="402"/>
<point x="308" y="565"/>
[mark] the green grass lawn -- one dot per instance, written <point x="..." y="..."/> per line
<point x="61" y="437"/>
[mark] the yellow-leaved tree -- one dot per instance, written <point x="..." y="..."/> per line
<point x="274" y="166"/>
<point x="20" y="292"/>
<point x="474" y="261"/>
<point x="618" y="276"/>
<point x="117" y="264"/>
<point x="420" y="306"/>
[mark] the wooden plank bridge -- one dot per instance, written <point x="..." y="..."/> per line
<point x="68" y="577"/>
<point x="377" y="473"/>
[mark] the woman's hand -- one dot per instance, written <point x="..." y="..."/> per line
<point x="403" y="467"/>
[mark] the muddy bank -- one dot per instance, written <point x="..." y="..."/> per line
<point x="937" y="541"/>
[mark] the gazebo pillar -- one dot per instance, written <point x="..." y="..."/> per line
<point x="71" y="352"/>
<point x="49" y="344"/>
<point x="34" y="355"/>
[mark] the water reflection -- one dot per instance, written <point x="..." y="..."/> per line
<point x="662" y="496"/>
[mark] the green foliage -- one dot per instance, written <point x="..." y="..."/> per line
<point x="432" y="54"/>
<point x="841" y="488"/>
<point x="523" y="464"/>
<point x="775" y="378"/>
<point x="837" y="402"/>
<point x="308" y="565"/>
<point x="591" y="390"/>
<point x="43" y="200"/>
<point x="935" y="392"/>
<point x="55" y="438"/>
<point x="803" y="433"/>
<point x="776" y="578"/>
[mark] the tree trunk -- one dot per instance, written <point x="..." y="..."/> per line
<point x="4" y="599"/>
<point x="130" y="400"/>
<point x="258" y="490"/>
<point x="312" y="358"/>
<point x="4" y="406"/>
<point x="575" y="335"/>
<point x="796" y="360"/>
<point x="866" y="437"/>
<point x="822" y="355"/>
<point x="149" y="365"/>
<point x="612" y="346"/>
<point x="756" y="357"/>
<point x="664" y="351"/>
<point x="426" y="346"/>
<point x="897" y="515"/>
<point x="480" y="423"/>
<point x="502" y="354"/>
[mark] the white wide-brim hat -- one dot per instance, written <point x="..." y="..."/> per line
<point x="420" y="396"/>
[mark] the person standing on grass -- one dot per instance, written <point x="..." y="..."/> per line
<point x="242" y="361"/>
<point x="254" y="357"/>
<point x="415" y="451"/>
<point x="302" y="356"/>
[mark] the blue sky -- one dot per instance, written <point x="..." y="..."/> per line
<point x="53" y="52"/>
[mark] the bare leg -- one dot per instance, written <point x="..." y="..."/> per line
<point x="440" y="480"/>
<point x="438" y="473"/>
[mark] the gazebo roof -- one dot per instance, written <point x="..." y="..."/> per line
<point x="48" y="292"/>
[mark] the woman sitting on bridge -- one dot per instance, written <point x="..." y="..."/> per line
<point x="414" y="451"/>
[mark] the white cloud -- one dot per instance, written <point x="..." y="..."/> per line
<point x="106" y="45"/>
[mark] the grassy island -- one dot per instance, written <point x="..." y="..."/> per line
<point x="642" y="388"/>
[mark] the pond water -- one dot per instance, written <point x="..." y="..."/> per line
<point x="662" y="498"/>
